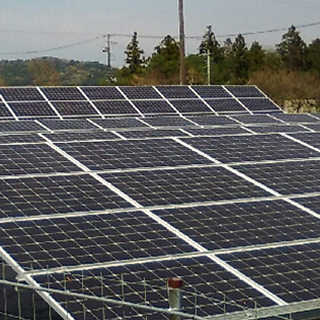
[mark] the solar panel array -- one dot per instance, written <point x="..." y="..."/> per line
<point x="113" y="185"/>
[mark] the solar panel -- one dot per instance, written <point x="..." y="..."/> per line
<point x="242" y="224"/>
<point x="115" y="107"/>
<point x="69" y="125"/>
<point x="32" y="109"/>
<point x="251" y="148"/>
<point x="77" y="240"/>
<point x="168" y="122"/>
<point x="288" y="177"/>
<point x="176" y="92"/>
<point x="226" y="106"/>
<point x="31" y="159"/>
<point x="244" y="91"/>
<point x="154" y="106"/>
<point x="211" y="92"/>
<point x="102" y="93"/>
<point x="4" y="111"/>
<point x="291" y="272"/>
<point x="131" y="154"/>
<point x="138" y="93"/>
<point x="190" y="106"/>
<point x="312" y="126"/>
<point x="167" y="187"/>
<point x="113" y="205"/>
<point x="20" y="126"/>
<point x="62" y="93"/>
<point x="55" y="195"/>
<point x="74" y="108"/>
<point x="21" y="94"/>
<point x="260" y="105"/>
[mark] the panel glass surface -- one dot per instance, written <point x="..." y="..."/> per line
<point x="168" y="122"/>
<point x="19" y="126"/>
<point x="260" y="105"/>
<point x="296" y="117"/>
<point x="243" y="224"/>
<point x="153" y="133"/>
<point x="31" y="159"/>
<point x="145" y="93"/>
<point x="4" y="111"/>
<point x="256" y="118"/>
<point x="55" y="194"/>
<point x="154" y="107"/>
<point x="251" y="148"/>
<point x="120" y="123"/>
<point x="176" y="92"/>
<point x="293" y="273"/>
<point x="102" y="93"/>
<point x="81" y="136"/>
<point x="286" y="178"/>
<point x="211" y="92"/>
<point x="69" y="125"/>
<point x="162" y="187"/>
<point x="32" y="109"/>
<point x="312" y="203"/>
<point x="201" y="277"/>
<point x="20" y="138"/>
<point x="115" y="107"/>
<point x="312" y="139"/>
<point x="62" y="93"/>
<point x="74" y="108"/>
<point x="312" y="126"/>
<point x="217" y="131"/>
<point x="226" y="105"/>
<point x="104" y="155"/>
<point x="21" y="94"/>
<point x="244" y="91"/>
<point x="278" y="128"/>
<point x="189" y="106"/>
<point x="210" y="120"/>
<point x="88" y="239"/>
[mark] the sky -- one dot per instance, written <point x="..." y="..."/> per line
<point x="75" y="29"/>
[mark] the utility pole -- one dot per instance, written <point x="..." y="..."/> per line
<point x="208" y="67"/>
<point x="107" y="50"/>
<point x="183" y="79"/>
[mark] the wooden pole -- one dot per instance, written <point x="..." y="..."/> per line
<point x="183" y="80"/>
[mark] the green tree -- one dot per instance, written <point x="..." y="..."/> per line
<point x="292" y="50"/>
<point x="313" y="56"/>
<point x="43" y="72"/>
<point x="256" y="57"/>
<point x="134" y="54"/>
<point x="164" y="62"/>
<point x="239" y="60"/>
<point x="211" y="46"/>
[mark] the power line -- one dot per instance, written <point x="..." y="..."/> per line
<point x="52" y="49"/>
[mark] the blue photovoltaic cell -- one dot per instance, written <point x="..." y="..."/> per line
<point x="55" y="195"/>
<point x="176" y="92"/>
<point x="312" y="203"/>
<point x="211" y="92"/>
<point x="242" y="224"/>
<point x="244" y="91"/>
<point x="146" y="93"/>
<point x="296" y="117"/>
<point x="278" y="129"/>
<point x="165" y="187"/>
<point x="217" y="131"/>
<point x="226" y="105"/>
<point x="168" y="122"/>
<point x="210" y="120"/>
<point x="189" y="106"/>
<point x="31" y="159"/>
<point x="21" y="94"/>
<point x="292" y="273"/>
<point x="251" y="148"/>
<point x="81" y="136"/>
<point x="312" y="126"/>
<point x="257" y="104"/>
<point x="104" y="155"/>
<point x="120" y="123"/>
<point x="32" y="109"/>
<point x="74" y="108"/>
<point x="72" y="241"/>
<point x="123" y="107"/>
<point x="19" y="126"/>
<point x="20" y="138"/>
<point x="102" y="93"/>
<point x="255" y="119"/>
<point x="296" y="177"/>
<point x="154" y="106"/>
<point x="62" y="93"/>
<point x="69" y="124"/>
<point x="201" y="276"/>
<point x="4" y="111"/>
<point x="153" y="133"/>
<point x="312" y="139"/>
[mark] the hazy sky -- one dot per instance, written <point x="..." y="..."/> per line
<point x="30" y="25"/>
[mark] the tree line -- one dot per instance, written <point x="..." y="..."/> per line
<point x="290" y="71"/>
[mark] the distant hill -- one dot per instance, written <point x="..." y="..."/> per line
<point x="49" y="71"/>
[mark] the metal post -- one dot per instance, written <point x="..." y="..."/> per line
<point x="183" y="79"/>
<point x="5" y="307"/>
<point x="83" y="302"/>
<point x="174" y="293"/>
<point x="145" y="296"/>
<point x="19" y="303"/>
<point x="48" y="281"/>
<point x="123" y="295"/>
<point x="102" y="294"/>
<point x="208" y="67"/>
